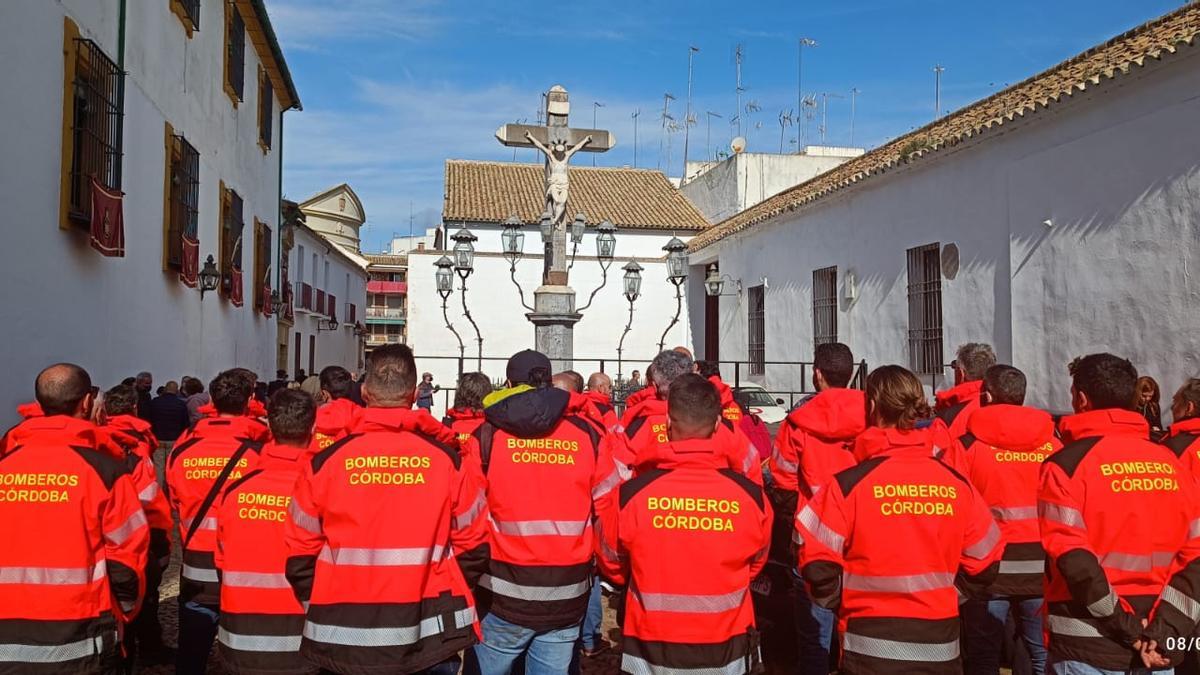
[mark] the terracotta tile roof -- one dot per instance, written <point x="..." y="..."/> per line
<point x="386" y="259"/>
<point x="489" y="192"/>
<point x="1152" y="40"/>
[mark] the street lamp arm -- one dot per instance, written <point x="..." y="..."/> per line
<point x="450" y="326"/>
<point x="662" y="342"/>
<point x="574" y="250"/>
<point x="467" y="313"/>
<point x="512" y="272"/>
<point x="621" y="343"/>
<point x="603" y="280"/>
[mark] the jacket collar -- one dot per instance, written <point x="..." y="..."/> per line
<point x="962" y="393"/>
<point x="528" y="413"/>
<point x="64" y="430"/>
<point x="128" y="422"/>
<point x="598" y="398"/>
<point x="241" y="427"/>
<point x="1190" y="425"/>
<point x="276" y="454"/>
<point x="1014" y="427"/>
<point x="1106" y="422"/>
<point x="876" y="441"/>
<point x="693" y="453"/>
<point x="457" y="414"/>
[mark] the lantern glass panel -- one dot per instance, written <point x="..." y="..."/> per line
<point x="445" y="280"/>
<point x="547" y="227"/>
<point x="633" y="283"/>
<point x="677" y="265"/>
<point x="578" y="227"/>
<point x="606" y="245"/>
<point x="514" y="240"/>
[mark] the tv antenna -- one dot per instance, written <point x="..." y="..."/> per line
<point x="688" y="119"/>
<point x="800" y="45"/>
<point x="937" y="90"/>
<point x="738" y="55"/>
<point x="854" y="92"/>
<point x="825" y="96"/>
<point x="785" y="121"/>
<point x="664" y="117"/>
<point x="635" y="115"/>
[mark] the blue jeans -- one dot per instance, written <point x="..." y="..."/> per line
<point x="447" y="667"/>
<point x="814" y="632"/>
<point x="546" y="652"/>
<point x="1080" y="668"/>
<point x="593" y="618"/>
<point x="983" y="623"/>
<point x="197" y="631"/>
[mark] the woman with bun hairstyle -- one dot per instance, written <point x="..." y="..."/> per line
<point x="882" y="544"/>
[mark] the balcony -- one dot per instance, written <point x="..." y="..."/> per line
<point x="386" y="313"/>
<point x="331" y="306"/>
<point x="351" y="313"/>
<point x="388" y="287"/>
<point x="319" y="307"/>
<point x="374" y="340"/>
<point x="304" y="297"/>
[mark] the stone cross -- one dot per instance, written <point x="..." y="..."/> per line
<point x="557" y="142"/>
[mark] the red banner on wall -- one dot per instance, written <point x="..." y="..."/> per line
<point x="189" y="268"/>
<point x="108" y="225"/>
<point x="235" y="287"/>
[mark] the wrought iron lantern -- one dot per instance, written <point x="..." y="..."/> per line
<point x="606" y="240"/>
<point x="713" y="285"/>
<point x="464" y="252"/>
<point x="209" y="277"/>
<point x="513" y="238"/>
<point x="547" y="227"/>
<point x="633" y="280"/>
<point x="578" y="227"/>
<point x="676" y="260"/>
<point x="445" y="276"/>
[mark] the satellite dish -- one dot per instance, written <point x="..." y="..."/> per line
<point x="738" y="145"/>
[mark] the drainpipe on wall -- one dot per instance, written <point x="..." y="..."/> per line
<point x="121" y="83"/>
<point x="279" y="218"/>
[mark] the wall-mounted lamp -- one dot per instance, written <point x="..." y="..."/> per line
<point x="850" y="286"/>
<point x="714" y="283"/>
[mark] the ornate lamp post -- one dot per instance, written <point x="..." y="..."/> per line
<point x="209" y="277"/>
<point x="464" y="264"/>
<point x="445" y="286"/>
<point x="513" y="240"/>
<point x="606" y="246"/>
<point x="578" y="229"/>
<point x="677" y="263"/>
<point x="633" y="288"/>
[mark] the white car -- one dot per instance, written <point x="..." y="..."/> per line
<point x="758" y="401"/>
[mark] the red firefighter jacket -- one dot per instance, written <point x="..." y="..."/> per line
<point x="604" y="406"/>
<point x="1002" y="454"/>
<point x="257" y="430"/>
<point x="13" y="436"/>
<point x="254" y="408"/>
<point x="954" y="407"/>
<point x="817" y="440"/>
<point x="74" y="552"/>
<point x="730" y="409"/>
<point x="133" y="434"/>
<point x="334" y="420"/>
<point x="882" y="546"/>
<point x="644" y="441"/>
<point x="261" y="620"/>
<point x="687" y="537"/>
<point x="542" y="542"/>
<point x="1120" y="523"/>
<point x="1182" y="440"/>
<point x="386" y="535"/>
<point x="581" y="405"/>
<point x="196" y="476"/>
<point x="646" y="393"/>
<point x="463" y="422"/>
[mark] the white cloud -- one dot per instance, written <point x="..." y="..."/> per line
<point x="307" y="24"/>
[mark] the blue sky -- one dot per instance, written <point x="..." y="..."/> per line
<point x="392" y="88"/>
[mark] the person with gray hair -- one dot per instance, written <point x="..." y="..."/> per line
<point x="645" y="434"/>
<point x="955" y="405"/>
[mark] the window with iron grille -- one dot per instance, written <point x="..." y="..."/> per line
<point x="266" y="100"/>
<point x="824" y="306"/>
<point x="756" y="346"/>
<point x="96" y="127"/>
<point x="183" y="200"/>
<point x="925" y="309"/>
<point x="231" y="240"/>
<point x="189" y="12"/>
<point x="262" y="266"/>
<point x="235" y="53"/>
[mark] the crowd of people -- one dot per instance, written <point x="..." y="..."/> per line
<point x="329" y="523"/>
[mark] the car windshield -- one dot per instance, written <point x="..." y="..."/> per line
<point x="749" y="397"/>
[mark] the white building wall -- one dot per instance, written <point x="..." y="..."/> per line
<point x="348" y="283"/>
<point x="495" y="305"/>
<point x="116" y="316"/>
<point x="1115" y="169"/>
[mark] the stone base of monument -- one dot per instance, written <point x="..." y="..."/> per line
<point x="554" y="318"/>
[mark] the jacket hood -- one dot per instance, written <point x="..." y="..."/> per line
<point x="694" y="453"/>
<point x="31" y="409"/>
<point x="238" y="427"/>
<point x="723" y="390"/>
<point x="1190" y="425"/>
<point x="646" y="408"/>
<point x="832" y="415"/>
<point x="392" y="420"/>
<point x="63" y="430"/>
<point x="1013" y="427"/>
<point x="1103" y="423"/>
<point x="645" y="393"/>
<point x="959" y="394"/>
<point x="457" y="414"/>
<point x="528" y="413"/>
<point x="876" y="441"/>
<point x="254" y="408"/>
<point x="130" y="432"/>
<point x="336" y="416"/>
<point x="598" y="398"/>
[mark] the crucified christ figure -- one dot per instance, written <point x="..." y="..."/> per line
<point x="557" y="156"/>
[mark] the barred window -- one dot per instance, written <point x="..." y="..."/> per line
<point x="266" y="108"/>
<point x="235" y="54"/>
<point x="824" y="306"/>
<point x="95" y="126"/>
<point x="757" y="346"/>
<point x="262" y="266"/>
<point x="925" y="309"/>
<point x="183" y="199"/>
<point x="231" y="244"/>
<point x="188" y="12"/>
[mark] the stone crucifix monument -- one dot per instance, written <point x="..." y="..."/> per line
<point x="554" y="314"/>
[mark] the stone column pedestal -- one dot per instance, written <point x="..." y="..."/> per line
<point x="554" y="319"/>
